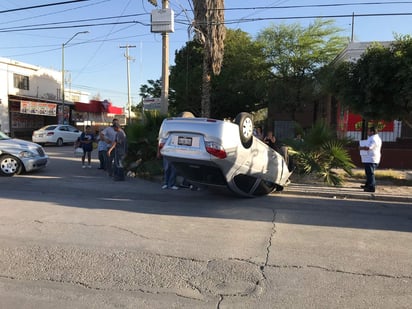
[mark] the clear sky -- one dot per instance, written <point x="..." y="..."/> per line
<point x="95" y="61"/>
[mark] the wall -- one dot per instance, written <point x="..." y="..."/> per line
<point x="394" y="156"/>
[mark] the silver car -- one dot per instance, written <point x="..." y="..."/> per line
<point x="17" y="156"/>
<point x="223" y="153"/>
<point x="58" y="134"/>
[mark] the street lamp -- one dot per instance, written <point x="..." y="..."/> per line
<point x="63" y="45"/>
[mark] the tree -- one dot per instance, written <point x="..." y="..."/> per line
<point x="295" y="55"/>
<point x="241" y="85"/>
<point x="186" y="79"/>
<point x="378" y="85"/>
<point x="153" y="90"/>
<point x="210" y="30"/>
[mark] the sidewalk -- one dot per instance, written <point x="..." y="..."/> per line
<point x="351" y="190"/>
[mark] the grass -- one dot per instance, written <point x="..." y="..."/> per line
<point x="386" y="176"/>
<point x="390" y="176"/>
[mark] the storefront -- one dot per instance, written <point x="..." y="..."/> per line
<point x="97" y="114"/>
<point x="29" y="114"/>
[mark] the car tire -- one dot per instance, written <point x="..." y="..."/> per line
<point x="245" y="123"/>
<point x="10" y="166"/>
<point x="59" y="142"/>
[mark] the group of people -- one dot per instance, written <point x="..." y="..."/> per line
<point x="111" y="147"/>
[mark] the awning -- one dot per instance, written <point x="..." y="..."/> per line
<point x="95" y="106"/>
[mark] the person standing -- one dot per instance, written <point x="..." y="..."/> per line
<point x="119" y="148"/>
<point x="86" y="142"/>
<point x="102" y="148"/>
<point x="258" y="132"/>
<point x="169" y="173"/>
<point x="110" y="135"/>
<point x="371" y="159"/>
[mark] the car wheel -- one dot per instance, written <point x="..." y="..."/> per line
<point x="59" y="142"/>
<point x="9" y="166"/>
<point x="245" y="123"/>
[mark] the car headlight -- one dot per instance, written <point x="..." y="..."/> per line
<point x="26" y="154"/>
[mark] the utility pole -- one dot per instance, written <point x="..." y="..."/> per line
<point x="164" y="99"/>
<point x="128" y="58"/>
<point x="63" y="81"/>
<point x="353" y="27"/>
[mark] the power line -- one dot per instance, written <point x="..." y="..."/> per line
<point x="71" y="21"/>
<point x="247" y="20"/>
<point x="74" y="26"/>
<point x="40" y="6"/>
<point x="314" y="5"/>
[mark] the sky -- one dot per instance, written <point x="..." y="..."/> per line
<point x="33" y="32"/>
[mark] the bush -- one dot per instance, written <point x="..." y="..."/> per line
<point x="320" y="154"/>
<point x="142" y="146"/>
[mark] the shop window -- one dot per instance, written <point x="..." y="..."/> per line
<point x="21" y="82"/>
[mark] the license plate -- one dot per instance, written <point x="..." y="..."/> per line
<point x="184" y="141"/>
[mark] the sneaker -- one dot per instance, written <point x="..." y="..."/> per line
<point x="89" y="166"/>
<point x="369" y="189"/>
<point x="84" y="166"/>
<point x="174" y="188"/>
<point x="164" y="187"/>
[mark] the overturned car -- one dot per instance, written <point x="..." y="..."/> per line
<point x="223" y="153"/>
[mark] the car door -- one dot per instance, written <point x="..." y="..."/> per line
<point x="64" y="133"/>
<point x="73" y="134"/>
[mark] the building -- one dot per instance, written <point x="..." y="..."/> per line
<point x="30" y="97"/>
<point x="396" y="135"/>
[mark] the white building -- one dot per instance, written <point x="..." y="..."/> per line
<point x="30" y="97"/>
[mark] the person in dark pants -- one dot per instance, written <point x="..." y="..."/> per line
<point x="102" y="147"/>
<point x="119" y="147"/>
<point x="371" y="158"/>
<point x="109" y="135"/>
<point x="86" y="141"/>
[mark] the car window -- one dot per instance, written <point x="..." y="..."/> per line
<point x="63" y="128"/>
<point x="49" y="128"/>
<point x="73" y="129"/>
<point x="3" y="136"/>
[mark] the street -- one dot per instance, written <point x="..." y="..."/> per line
<point x="73" y="238"/>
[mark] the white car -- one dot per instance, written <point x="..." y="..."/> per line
<point x="58" y="134"/>
<point x="223" y="153"/>
<point x="17" y="156"/>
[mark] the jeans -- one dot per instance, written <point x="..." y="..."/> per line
<point x="118" y="170"/>
<point x="169" y="173"/>
<point x="103" y="159"/>
<point x="370" y="175"/>
<point x="109" y="163"/>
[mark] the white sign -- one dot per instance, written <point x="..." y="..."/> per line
<point x="151" y="104"/>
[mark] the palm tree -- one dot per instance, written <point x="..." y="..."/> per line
<point x="321" y="154"/>
<point x="210" y="30"/>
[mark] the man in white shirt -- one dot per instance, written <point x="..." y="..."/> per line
<point x="372" y="158"/>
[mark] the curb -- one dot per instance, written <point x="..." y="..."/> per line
<point x="341" y="193"/>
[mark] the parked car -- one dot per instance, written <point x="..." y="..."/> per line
<point x="223" y="153"/>
<point x="17" y="156"/>
<point x="58" y="134"/>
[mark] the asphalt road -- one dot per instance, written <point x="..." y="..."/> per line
<point x="72" y="238"/>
